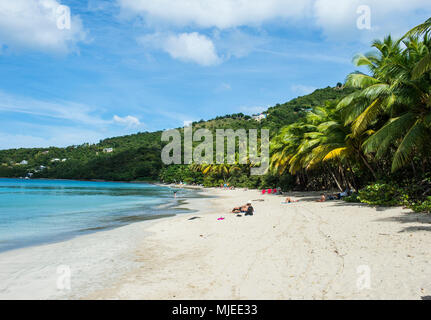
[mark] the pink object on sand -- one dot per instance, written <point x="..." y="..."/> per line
<point x="219" y="219"/>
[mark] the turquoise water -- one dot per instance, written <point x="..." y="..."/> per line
<point x="39" y="211"/>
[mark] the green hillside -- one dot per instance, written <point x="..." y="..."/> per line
<point x="137" y="156"/>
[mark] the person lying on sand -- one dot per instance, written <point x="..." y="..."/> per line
<point x="239" y="209"/>
<point x="290" y="200"/>
<point x="242" y="209"/>
<point x="337" y="196"/>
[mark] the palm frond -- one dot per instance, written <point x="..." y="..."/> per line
<point x="415" y="140"/>
<point x="423" y="66"/>
<point x="393" y="130"/>
<point x="367" y="117"/>
<point x="360" y="80"/>
<point x="336" y="154"/>
<point x="419" y="30"/>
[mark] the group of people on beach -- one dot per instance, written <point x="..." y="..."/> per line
<point x="247" y="209"/>
<point x="227" y="186"/>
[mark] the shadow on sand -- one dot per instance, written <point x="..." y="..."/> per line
<point x="421" y="218"/>
<point x="406" y="217"/>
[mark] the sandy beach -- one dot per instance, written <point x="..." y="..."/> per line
<point x="304" y="250"/>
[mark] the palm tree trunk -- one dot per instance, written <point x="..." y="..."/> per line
<point x="334" y="177"/>
<point x="355" y="186"/>
<point x="344" y="176"/>
<point x="368" y="165"/>
<point x="336" y="181"/>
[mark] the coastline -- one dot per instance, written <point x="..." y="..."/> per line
<point x="95" y="259"/>
<point x="305" y="250"/>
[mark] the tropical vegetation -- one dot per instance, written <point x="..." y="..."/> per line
<point x="381" y="131"/>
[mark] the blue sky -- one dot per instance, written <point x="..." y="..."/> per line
<point x="128" y="66"/>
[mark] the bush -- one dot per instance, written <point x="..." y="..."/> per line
<point x="382" y="194"/>
<point x="354" y="198"/>
<point x="424" y="206"/>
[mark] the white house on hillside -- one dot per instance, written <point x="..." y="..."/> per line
<point x="108" y="150"/>
<point x="259" y="117"/>
<point x="24" y="162"/>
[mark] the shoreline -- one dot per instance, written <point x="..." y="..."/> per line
<point x="167" y="208"/>
<point x="94" y="255"/>
<point x="305" y="250"/>
<point x="82" y="180"/>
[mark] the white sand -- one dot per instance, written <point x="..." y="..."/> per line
<point x="305" y="250"/>
<point x="94" y="260"/>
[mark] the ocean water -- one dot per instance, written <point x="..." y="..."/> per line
<point x="33" y="212"/>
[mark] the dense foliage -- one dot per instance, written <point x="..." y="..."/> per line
<point x="382" y="130"/>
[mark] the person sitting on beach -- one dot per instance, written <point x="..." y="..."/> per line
<point x="250" y="210"/>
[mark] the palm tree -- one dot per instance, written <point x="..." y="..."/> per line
<point x="363" y="107"/>
<point x="224" y="170"/>
<point x="392" y="90"/>
<point x="321" y="139"/>
<point x="424" y="65"/>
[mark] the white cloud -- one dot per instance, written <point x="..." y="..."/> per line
<point x="302" y="90"/>
<point x="44" y="137"/>
<point x="129" y="121"/>
<point x="187" y="47"/>
<point x="63" y="110"/>
<point x="223" y="87"/>
<point x="221" y="13"/>
<point x="59" y="123"/>
<point x="33" y="24"/>
<point x="237" y="43"/>
<point x="337" y="19"/>
<point x="253" y="110"/>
